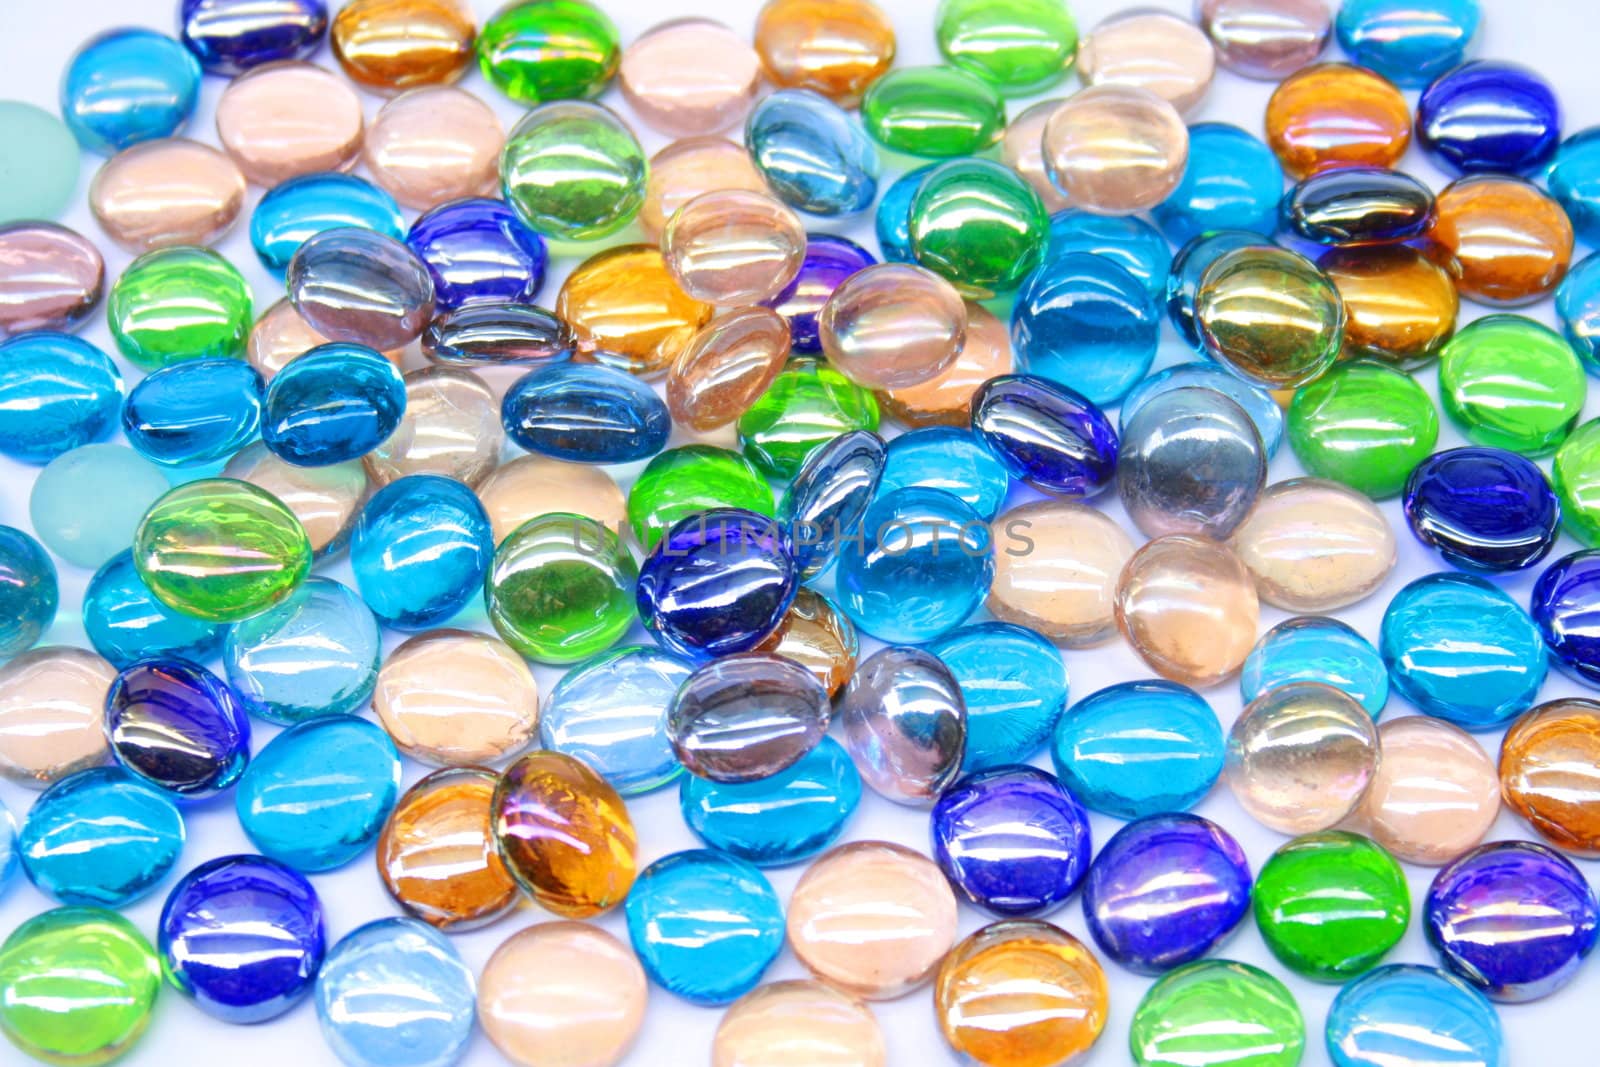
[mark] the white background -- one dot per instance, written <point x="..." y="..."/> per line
<point x="37" y="37"/>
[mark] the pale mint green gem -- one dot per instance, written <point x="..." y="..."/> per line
<point x="38" y="163"/>
<point x="87" y="503"/>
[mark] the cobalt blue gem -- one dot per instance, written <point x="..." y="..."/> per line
<point x="1462" y="650"/>
<point x="610" y="711"/>
<point x="1082" y="321"/>
<point x="829" y="260"/>
<point x="705" y="925"/>
<point x="784" y="819"/>
<point x="1015" y="688"/>
<point x="194" y="413"/>
<point x="1484" y="510"/>
<point x="1190" y="265"/>
<point x="716" y="582"/>
<point x="1127" y="240"/>
<point x="1566" y="607"/>
<point x="816" y="156"/>
<point x="101" y="838"/>
<point x="1166" y="890"/>
<point x="1512" y="918"/>
<point x="1139" y="748"/>
<point x="824" y="504"/>
<point x="420" y="550"/>
<point x="1573" y="178"/>
<point x="177" y="726"/>
<point x="1232" y="181"/>
<point x="242" y="937"/>
<point x="29" y="592"/>
<point x="126" y="623"/>
<point x="1358" y="206"/>
<point x="1410" y="42"/>
<point x="479" y="252"/>
<point x="128" y="85"/>
<point x="1012" y="839"/>
<point x="1047" y="435"/>
<point x="486" y="336"/>
<point x="893" y="219"/>
<point x="1256" y="402"/>
<point x="1578" y="308"/>
<point x="57" y="392"/>
<point x="314" y="654"/>
<point x="231" y="36"/>
<point x="1489" y="115"/>
<point x="950" y="459"/>
<point x="585" y="413"/>
<point x="1405" y="1015"/>
<point x="1314" y="648"/>
<point x="336" y="402"/>
<point x="301" y="207"/>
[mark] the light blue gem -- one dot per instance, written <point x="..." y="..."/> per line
<point x="951" y="459"/>
<point x="893" y="220"/>
<point x="420" y="549"/>
<point x="611" y="713"/>
<point x="1015" y="686"/>
<point x="1403" y="1015"/>
<point x="87" y="503"/>
<point x="1410" y="42"/>
<point x="100" y="837"/>
<point x="127" y="86"/>
<point x="779" y="820"/>
<point x="1574" y="180"/>
<point x="8" y="845"/>
<point x="1316" y="649"/>
<point x="126" y="623"/>
<point x="196" y="412"/>
<point x="29" y="592"/>
<point x="1578" y="307"/>
<point x="1128" y="241"/>
<point x="1257" y="403"/>
<point x="317" y="653"/>
<point x="1084" y="322"/>
<point x="816" y="156"/>
<point x="1232" y="181"/>
<point x="57" y="392"/>
<point x="334" y="403"/>
<point x="301" y="207"/>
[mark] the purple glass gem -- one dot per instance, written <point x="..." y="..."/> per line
<point x="231" y="36"/>
<point x="1484" y="510"/>
<point x="747" y="717"/>
<point x="829" y="261"/>
<point x="1513" y="918"/>
<point x="176" y="725"/>
<point x="1166" y="890"/>
<point x="242" y="937"/>
<point x="1566" y="604"/>
<point x="1012" y="839"/>
<point x="1046" y="434"/>
<point x="479" y="252"/>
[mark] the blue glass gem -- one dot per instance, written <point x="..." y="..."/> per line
<point x="1012" y="839"/>
<point x="176" y="725"/>
<point x="86" y="504"/>
<point x="1462" y="650"/>
<point x="1484" y="510"/>
<point x="128" y="85"/>
<point x="1566" y="600"/>
<point x="1578" y="307"/>
<point x="57" y="392"/>
<point x="1015" y="688"/>
<point x="231" y="36"/>
<point x="1573" y="178"/>
<point x="497" y="335"/>
<point x="716" y="582"/>
<point x="420" y="550"/>
<point x="705" y="925"/>
<point x="293" y="211"/>
<point x="100" y="837"/>
<point x="28" y="592"/>
<point x="336" y="402"/>
<point x="1047" y="435"/>
<point x="893" y="219"/>
<point x="395" y="993"/>
<point x="1166" y="890"/>
<point x="822" y="507"/>
<point x="1404" y="1015"/>
<point x="1313" y="648"/>
<point x="1127" y="240"/>
<point x="126" y="623"/>
<point x="1189" y="266"/>
<point x="1232" y="181"/>
<point x="829" y="260"/>
<point x="1256" y="402"/>
<point x="193" y="413"/>
<point x="950" y="459"/>
<point x="316" y="796"/>
<point x="8" y="845"/>
<point x="585" y="413"/>
<point x="610" y="711"/>
<point x="1513" y="918"/>
<point x="479" y="251"/>
<point x="1358" y="206"/>
<point x="316" y="653"/>
<point x="242" y="937"/>
<point x="789" y="817"/>
<point x="1139" y="748"/>
<point x="814" y="154"/>
<point x="1410" y="42"/>
<point x="1490" y="116"/>
<point x="921" y="566"/>
<point x="1082" y="321"/>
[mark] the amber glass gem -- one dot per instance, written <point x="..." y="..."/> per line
<point x="625" y="310"/>
<point x="1547" y="773"/>
<point x="1335" y="114"/>
<point x="1505" y="240"/>
<point x="837" y="47"/>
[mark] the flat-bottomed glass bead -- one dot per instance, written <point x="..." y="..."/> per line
<point x="530" y="486"/>
<point x="1436" y="793"/>
<point x="51" y="277"/>
<point x="1300" y="757"/>
<point x="101" y="838"/>
<point x="1315" y="545"/>
<point x="194" y="413"/>
<point x="434" y="144"/>
<point x="687" y="168"/>
<point x="779" y="820"/>
<point x="816" y="156"/>
<point x="572" y="169"/>
<point x="288" y="118"/>
<point x="734" y="247"/>
<point x="1575" y="475"/>
<point x="1334" y="115"/>
<point x="1021" y="46"/>
<point x="231" y="36"/>
<point x="686" y="481"/>
<point x="538" y="50"/>
<point x="1505" y="241"/>
<point x="1358" y="206"/>
<point x="86" y="504"/>
<point x="126" y="623"/>
<point x="1056" y="564"/>
<point x="835" y="47"/>
<point x="807" y="405"/>
<point x="478" y="252"/>
<point x="1217" y="1012"/>
<point x="624" y="308"/>
<point x="394" y="45"/>
<point x="975" y="223"/>
<point x="57" y="391"/>
<point x="361" y="287"/>
<point x="52" y="714"/>
<point x="1545" y="776"/>
<point x="437" y="854"/>
<point x="1373" y="1021"/>
<point x="1331" y="905"/>
<point x="1400" y="306"/>
<point x="451" y="427"/>
<point x="1489" y="115"/>
<point x="1577" y="308"/>
<point x="561" y="588"/>
<point x="610" y="711"/>
<point x="456" y="697"/>
<point x="39" y="163"/>
<point x="1231" y="181"/>
<point x="325" y="500"/>
<point x="1315" y="648"/>
<point x="1128" y="240"/>
<point x="903" y="720"/>
<point x="129" y="85"/>
<point x="179" y="303"/>
<point x="1188" y="607"/>
<point x="29" y="593"/>
<point x="177" y="726"/>
<point x="420" y="551"/>
<point x="1081" y="321"/>
<point x="933" y="112"/>
<point x="690" y="76"/>
<point x="892" y="325"/>
<point x="1014" y="686"/>
<point x="1153" y="50"/>
<point x="1191" y="462"/>
<point x="726" y="366"/>
<point x="1047" y="435"/>
<point x="1269" y="315"/>
<point x="1266" y="39"/>
<point x="1510" y="382"/>
<point x="159" y="194"/>
<point x="291" y="212"/>
<point x="746" y="717"/>
<point x="1411" y="41"/>
<point x="1263" y="409"/>
<point x="1484" y="510"/>
<point x="1115" y="149"/>
<point x="1365" y="425"/>
<point x="798" y="1022"/>
<point x="314" y="654"/>
<point x="494" y="338"/>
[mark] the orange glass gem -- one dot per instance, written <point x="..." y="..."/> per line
<point x="688" y="168"/>
<point x="392" y="45"/>
<point x="946" y="398"/>
<point x="726" y="367"/>
<point x="1399" y="305"/>
<point x="1547" y="773"/>
<point x="818" y="636"/>
<point x="837" y="47"/>
<point x="1336" y="114"/>
<point x="1505" y="241"/>
<point x="625" y="309"/>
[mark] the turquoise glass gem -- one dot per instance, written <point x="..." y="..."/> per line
<point x="87" y="503"/>
<point x="126" y="86"/>
<point x="1188" y="266"/>
<point x="706" y="925"/>
<point x="300" y="207"/>
<point x="1573" y="178"/>
<point x="1083" y="321"/>
<point x="193" y="413"/>
<point x="1255" y="401"/>
<point x="950" y="459"/>
<point x="8" y="845"/>
<point x="893" y="219"/>
<point x="38" y="163"/>
<point x="822" y="507"/>
<point x="126" y="623"/>
<point x="610" y="711"/>
<point x="1127" y="240"/>
<point x="1232" y="181"/>
<point x="1015" y="687"/>
<point x="1577" y="306"/>
<point x="1410" y="42"/>
<point x="1313" y="648"/>
<point x="336" y="402"/>
<point x="420" y="549"/>
<point x="316" y="796"/>
<point x="1139" y="748"/>
<point x="316" y="653"/>
<point x="28" y="592"/>
<point x="57" y="392"/>
<point x="1405" y="1015"/>
<point x="100" y="837"/>
<point x="815" y="155"/>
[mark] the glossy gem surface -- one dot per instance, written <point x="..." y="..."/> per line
<point x="1219" y="1012"/>
<point x="1014" y="685"/>
<point x="1373" y="1021"/>
<point x="437" y="854"/>
<point x="1510" y="382"/>
<point x="1330" y="905"/>
<point x="420" y="550"/>
<point x="776" y="821"/>
<point x="177" y="726"/>
<point x="100" y="837"/>
<point x="1484" y="510"/>
<point x="561" y="588"/>
<point x="1364" y="425"/>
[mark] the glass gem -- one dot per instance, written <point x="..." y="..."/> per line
<point x="1400" y="306"/>
<point x="128" y="85"/>
<point x="1232" y="181"/>
<point x="318" y="793"/>
<point x="1021" y="46"/>
<point x="1012" y="839"/>
<point x="231" y="36"/>
<point x="396" y="993"/>
<point x="1510" y="382"/>
<point x="1411" y="41"/>
<point x="86" y="504"/>
<point x="52" y="714"/>
<point x="610" y="712"/>
<point x="1269" y="315"/>
<point x="1358" y="206"/>
<point x="1513" y="918"/>
<point x="1164" y="891"/>
<point x="159" y="194"/>
<point x="361" y="287"/>
<point x="289" y="118"/>
<point x="624" y="309"/>
<point x="1218" y="1012"/>
<point x="1083" y="322"/>
<point x="1315" y="648"/>
<point x="197" y="412"/>
<point x="1188" y="607"/>
<point x="829" y="260"/>
<point x="177" y="726"/>
<point x="1335" y="115"/>
<point x="1188" y="267"/>
<point x="904" y="723"/>
<point x="733" y="247"/>
<point x="746" y="717"/>
<point x="892" y="325"/>
<point x="1191" y="462"/>
<point x="100" y="837"/>
<point x="564" y="834"/>
<point x="686" y="481"/>
<point x="1021" y="993"/>
<point x="779" y="820"/>
<point x="394" y="45"/>
<point x="800" y="1022"/>
<point x="455" y="697"/>
<point x="808" y="404"/>
<point x="726" y="366"/>
<point x="1462" y="650"/>
<point x="1330" y="905"/>
<point x="1300" y="757"/>
<point x="278" y="336"/>
<point x="977" y="224"/>
<point x="433" y="144"/>
<point x="337" y="402"/>
<point x="1264" y="411"/>
<point x="179" y="303"/>
<point x="933" y="112"/>
<point x="1154" y="50"/>
<point x="1484" y="510"/>
<point x="1115" y="149"/>
<point x="1266" y="39"/>
<point x="815" y="156"/>
<point x="530" y="486"/>
<point x="51" y="277"/>
<point x="561" y="588"/>
<point x="57" y="392"/>
<point x="1573" y="178"/>
<point x="77" y="986"/>
<point x="685" y="169"/>
<point x="946" y="398"/>
<point x="1136" y="749"/>
<point x="1504" y="240"/>
<point x="478" y="251"/>
<point x="1489" y="115"/>
<point x="1014" y="686"/>
<point x="572" y="169"/>
<point x="1022" y="149"/>
<point x="818" y="636"/>
<point x="689" y="76"/>
<point x="28" y="592"/>
<point x="1056" y="564"/>
<point x="39" y="164"/>
<point x="314" y="654"/>
<point x="539" y="50"/>
<point x="324" y="499"/>
<point x="1561" y="605"/>
<point x="489" y="337"/>
<point x="1365" y="425"/>
<point x="420" y="551"/>
<point x="242" y="937"/>
<point x="1577" y="308"/>
<point x="835" y="47"/>
<point x="949" y="459"/>
<point x="126" y="623"/>
<point x="1128" y="240"/>
<point x="1436" y="793"/>
<point x="1573" y="475"/>
<point x="437" y="854"/>
<point x="1047" y="435"/>
<point x="290" y="213"/>
<point x="892" y="219"/>
<point x="1545" y="777"/>
<point x="451" y="427"/>
<point x="1374" y="1021"/>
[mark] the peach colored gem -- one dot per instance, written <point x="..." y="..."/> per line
<point x="1188" y="607"/>
<point x="734" y="247"/>
<point x="530" y="486"/>
<point x="435" y="144"/>
<point x="893" y="325"/>
<point x="52" y="712"/>
<point x="1022" y="150"/>
<point x="1300" y="757"/>
<point x="798" y="1024"/>
<point x="451" y="427"/>
<point x="690" y="76"/>
<point x="453" y="697"/>
<point x="167" y="192"/>
<point x="278" y="336"/>
<point x="1116" y="149"/>
<point x="726" y="367"/>
<point x="285" y="119"/>
<point x="1436" y="793"/>
<point x="1266" y="39"/>
<point x="818" y="636"/>
<point x="1056" y="566"/>
<point x="946" y="398"/>
<point x="1153" y="50"/>
<point x="1315" y="545"/>
<point x="685" y="169"/>
<point x="324" y="499"/>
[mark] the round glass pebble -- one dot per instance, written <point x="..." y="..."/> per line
<point x="1337" y="114"/>
<point x="726" y="366"/>
<point x="836" y="47"/>
<point x="1310" y="519"/>
<point x="1014" y="686"/>
<point x="1191" y="462"/>
<point x="1365" y="425"/>
<point x="197" y="412"/>
<point x="420" y="550"/>
<point x="746" y="717"/>
<point x="489" y="337"/>
<point x="734" y="247"/>
<point x="1189" y="265"/>
<point x="585" y="413"/>
<point x="177" y="726"/>
<point x="815" y="156"/>
<point x="1400" y="306"/>
<point x="561" y="588"/>
<point x="1436" y="793"/>
<point x="126" y="623"/>
<point x="1489" y="115"/>
<point x="1316" y="648"/>
<point x="52" y="278"/>
<point x="670" y="79"/>
<point x="1373" y="1021"/>
<point x="396" y="297"/>
<point x="179" y="303"/>
<point x="573" y="170"/>
<point x="1232" y="181"/>
<point x="166" y="193"/>
<point x="1301" y="756"/>
<point x="1410" y="41"/>
<point x="1082" y="321"/>
<point x="625" y="310"/>
<point x="226" y="42"/>
<point x="903" y="721"/>
<point x="451" y="427"/>
<point x="38" y="164"/>
<point x="1543" y="776"/>
<point x="1485" y="510"/>
<point x="1148" y="49"/>
<point x="434" y="143"/>
<point x="1264" y="412"/>
<point x="100" y="837"/>
<point x="610" y="711"/>
<point x="1219" y="1012"/>
<point x="1573" y="179"/>
<point x="530" y="486"/>
<point x="1472" y="217"/>
<point x="808" y="405"/>
<point x="315" y="654"/>
<point x="1267" y="314"/>
<point x="952" y="460"/>
<point x="1266" y="39"/>
<point x="456" y="697"/>
<point x="1047" y="435"/>
<point x="681" y="482"/>
<point x="1021" y="46"/>
<point x="555" y="50"/>
<point x="933" y="111"/>
<point x="1358" y="206"/>
<point x="1128" y="240"/>
<point x="292" y="212"/>
<point x="892" y="325"/>
<point x="337" y="402"/>
<point x="685" y="169"/>
<point x="1189" y="608"/>
<point x="1510" y="382"/>
<point x="1115" y="149"/>
<point x="129" y="85"/>
<point x="1331" y="905"/>
<point x="1578" y="309"/>
<point x="478" y="251"/>
<point x="977" y="224"/>
<point x="52" y="714"/>
<point x="1056" y="565"/>
<point x="86" y="504"/>
<point x="437" y="854"/>
<point x="28" y="592"/>
<point x="819" y="1023"/>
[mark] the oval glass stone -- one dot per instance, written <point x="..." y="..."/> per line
<point x="290" y="213"/>
<point x="100" y="837"/>
<point x="1331" y="905"/>
<point x="288" y="118"/>
<point x="747" y="717"/>
<point x="1231" y="181"/>
<point x="420" y="550"/>
<point x="1083" y="322"/>
<point x="1188" y="606"/>
<point x="904" y="723"/>
<point x="1221" y="1011"/>
<point x="825" y="501"/>
<point x="1314" y="648"/>
<point x="818" y="636"/>
<point x="278" y="336"/>
<point x="1264" y="411"/>
<point x="129" y="85"/>
<point x="193" y="413"/>
<point x="624" y="309"/>
<point x="685" y="169"/>
<point x="1336" y="114"/>
<point x="933" y="111"/>
<point x="1544" y="777"/>
<point x="1577" y="307"/>
<point x="29" y="592"/>
<point x="573" y="170"/>
<point x="1153" y="50"/>
<point x="1115" y="149"/>
<point x="1400" y="306"/>
<point x="585" y="413"/>
<point x="1358" y="206"/>
<point x="1269" y="315"/>
<point x="1056" y="565"/>
<point x="548" y="51"/>
<point x="1014" y="686"/>
<point x="177" y="726"/>
<point x="836" y="47"/>
<point x="1300" y="757"/>
<point x="726" y="366"/>
<point x="86" y="504"/>
<point x="807" y="405"/>
<point x="733" y="247"/>
<point x="892" y="325"/>
<point x="977" y="224"/>
<point x="324" y="499"/>
<point x="126" y="623"/>
<point x="437" y="854"/>
<point x="1571" y="179"/>
<point x="390" y="45"/>
<point x="689" y="76"/>
<point x="1372" y="1021"/>
<point x="166" y="193"/>
<point x="1411" y="41"/>
<point x="1510" y="382"/>
<point x="953" y="460"/>
<point x="1266" y="39"/>
<point x="611" y="711"/>
<point x="432" y="144"/>
<point x="1314" y="545"/>
<point x="396" y="296"/>
<point x="1489" y="115"/>
<point x="58" y="392"/>
<point x="51" y="277"/>
<point x="1191" y="462"/>
<point x="1128" y="240"/>
<point x="43" y="156"/>
<point x="1483" y="510"/>
<point x="52" y="714"/>
<point x="451" y="427"/>
<point x="815" y="156"/>
<point x="1561" y="603"/>
<point x="337" y="402"/>
<point x="315" y="654"/>
<point x="1365" y="425"/>
<point x="478" y="252"/>
<point x="1047" y="435"/>
<point x="530" y="486"/>
<point x="225" y="43"/>
<point x="1436" y="793"/>
<point x="1573" y="476"/>
<point x="686" y="481"/>
<point x="454" y="697"/>
<point x="179" y="303"/>
<point x="561" y="588"/>
<point x="825" y="1027"/>
<point x="1021" y="46"/>
<point x="1472" y="217"/>
<point x="484" y="337"/>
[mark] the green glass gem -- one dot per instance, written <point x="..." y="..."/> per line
<point x="686" y="481"/>
<point x="560" y="588"/>
<point x="175" y="304"/>
<point x="77" y="986"/>
<point x="38" y="163"/>
<point x="933" y="111"/>
<point x="1363" y="424"/>
<point x="539" y="50"/>
<point x="1219" y="1013"/>
<point x="807" y="405"/>
<point x="221" y="550"/>
<point x="978" y="224"/>
<point x="1512" y="383"/>
<point x="1330" y="905"/>
<point x="1022" y="46"/>
<point x="1575" y="474"/>
<point x="573" y="170"/>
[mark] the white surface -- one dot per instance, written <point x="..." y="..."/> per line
<point x="1556" y="37"/>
